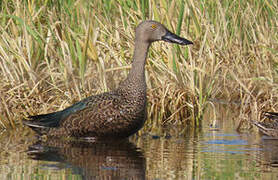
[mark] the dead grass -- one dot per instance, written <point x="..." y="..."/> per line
<point x="56" y="53"/>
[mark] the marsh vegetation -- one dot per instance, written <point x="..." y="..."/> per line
<point x="55" y="53"/>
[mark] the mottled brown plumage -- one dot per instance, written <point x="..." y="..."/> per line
<point x="270" y="126"/>
<point x="115" y="114"/>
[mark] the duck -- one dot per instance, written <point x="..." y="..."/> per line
<point x="119" y="113"/>
<point x="268" y="127"/>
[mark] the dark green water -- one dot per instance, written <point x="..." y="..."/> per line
<point x="213" y="153"/>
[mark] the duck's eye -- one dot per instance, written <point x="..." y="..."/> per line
<point x="154" y="26"/>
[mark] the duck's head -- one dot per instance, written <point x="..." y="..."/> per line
<point x="150" y="31"/>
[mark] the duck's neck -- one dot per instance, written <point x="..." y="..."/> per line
<point x="135" y="81"/>
<point x="139" y="60"/>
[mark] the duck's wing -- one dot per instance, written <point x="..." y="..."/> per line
<point x="42" y="123"/>
<point x="267" y="128"/>
<point x="271" y="115"/>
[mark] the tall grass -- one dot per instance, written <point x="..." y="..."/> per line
<point x="54" y="53"/>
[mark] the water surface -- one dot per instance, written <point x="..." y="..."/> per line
<point x="215" y="152"/>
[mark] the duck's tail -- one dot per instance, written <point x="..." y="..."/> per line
<point x="42" y="123"/>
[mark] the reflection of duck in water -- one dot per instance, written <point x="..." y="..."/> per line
<point x="119" y="113"/>
<point x="269" y="126"/>
<point x="96" y="160"/>
<point x="270" y="152"/>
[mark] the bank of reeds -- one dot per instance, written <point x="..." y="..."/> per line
<point x="54" y="53"/>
